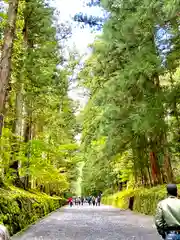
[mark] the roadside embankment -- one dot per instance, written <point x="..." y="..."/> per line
<point x="19" y="208"/>
<point x="142" y="200"/>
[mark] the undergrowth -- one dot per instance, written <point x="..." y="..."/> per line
<point x="19" y="208"/>
<point x="145" y="200"/>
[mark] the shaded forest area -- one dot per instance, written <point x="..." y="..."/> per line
<point x="37" y="121"/>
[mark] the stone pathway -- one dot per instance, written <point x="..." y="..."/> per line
<point x="91" y="223"/>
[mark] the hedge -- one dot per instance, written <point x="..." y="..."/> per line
<point x="19" y="208"/>
<point x="145" y="200"/>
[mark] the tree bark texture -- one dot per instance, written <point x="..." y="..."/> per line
<point x="6" y="54"/>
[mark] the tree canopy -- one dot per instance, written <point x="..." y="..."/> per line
<point x="130" y="123"/>
<point x="38" y="123"/>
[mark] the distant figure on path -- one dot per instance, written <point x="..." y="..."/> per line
<point x="82" y="201"/>
<point x="89" y="200"/>
<point x="167" y="218"/>
<point x="70" y="201"/>
<point x="96" y="201"/>
<point x="4" y="234"/>
<point x="93" y="201"/>
<point x="76" y="201"/>
<point x="99" y="200"/>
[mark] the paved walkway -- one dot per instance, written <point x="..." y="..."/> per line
<point x="91" y="223"/>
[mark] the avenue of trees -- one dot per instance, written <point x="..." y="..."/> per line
<point x="37" y="121"/>
<point x="131" y="123"/>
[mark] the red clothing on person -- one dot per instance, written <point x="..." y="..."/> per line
<point x="70" y="200"/>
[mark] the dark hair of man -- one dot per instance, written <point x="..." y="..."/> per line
<point x="172" y="190"/>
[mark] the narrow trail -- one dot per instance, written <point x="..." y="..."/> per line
<point x="91" y="223"/>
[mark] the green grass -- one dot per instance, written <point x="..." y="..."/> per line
<point x="19" y="208"/>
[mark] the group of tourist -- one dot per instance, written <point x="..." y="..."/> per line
<point x="76" y="201"/>
<point x="95" y="201"/>
<point x="79" y="200"/>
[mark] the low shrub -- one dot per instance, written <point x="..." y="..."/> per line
<point x="120" y="199"/>
<point x="145" y="200"/>
<point x="19" y="208"/>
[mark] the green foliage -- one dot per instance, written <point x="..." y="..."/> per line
<point x="121" y="199"/>
<point x="131" y="79"/>
<point x="3" y="17"/>
<point x="37" y="146"/>
<point x="145" y="200"/>
<point x="20" y="208"/>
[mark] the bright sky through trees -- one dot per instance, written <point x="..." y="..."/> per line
<point x="81" y="37"/>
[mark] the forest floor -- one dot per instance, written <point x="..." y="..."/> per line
<point x="91" y="223"/>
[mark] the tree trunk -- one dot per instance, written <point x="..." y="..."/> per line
<point x="27" y="138"/>
<point x="167" y="162"/>
<point x="156" y="177"/>
<point x="19" y="122"/>
<point x="5" y="62"/>
<point x="168" y="168"/>
<point x="150" y="176"/>
<point x="17" y="131"/>
<point x="163" y="137"/>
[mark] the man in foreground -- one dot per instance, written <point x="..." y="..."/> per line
<point x="167" y="218"/>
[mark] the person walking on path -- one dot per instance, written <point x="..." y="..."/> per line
<point x="96" y="201"/>
<point x="79" y="201"/>
<point x="89" y="200"/>
<point x="82" y="201"/>
<point x="167" y="217"/>
<point x="70" y="201"/>
<point x="93" y="201"/>
<point x="76" y="201"/>
<point x="99" y="200"/>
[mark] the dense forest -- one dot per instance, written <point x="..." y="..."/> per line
<point x="37" y="121"/>
<point x="130" y="125"/>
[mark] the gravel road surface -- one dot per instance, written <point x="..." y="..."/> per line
<point x="91" y="223"/>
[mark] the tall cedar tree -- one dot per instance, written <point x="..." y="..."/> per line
<point x="125" y="127"/>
